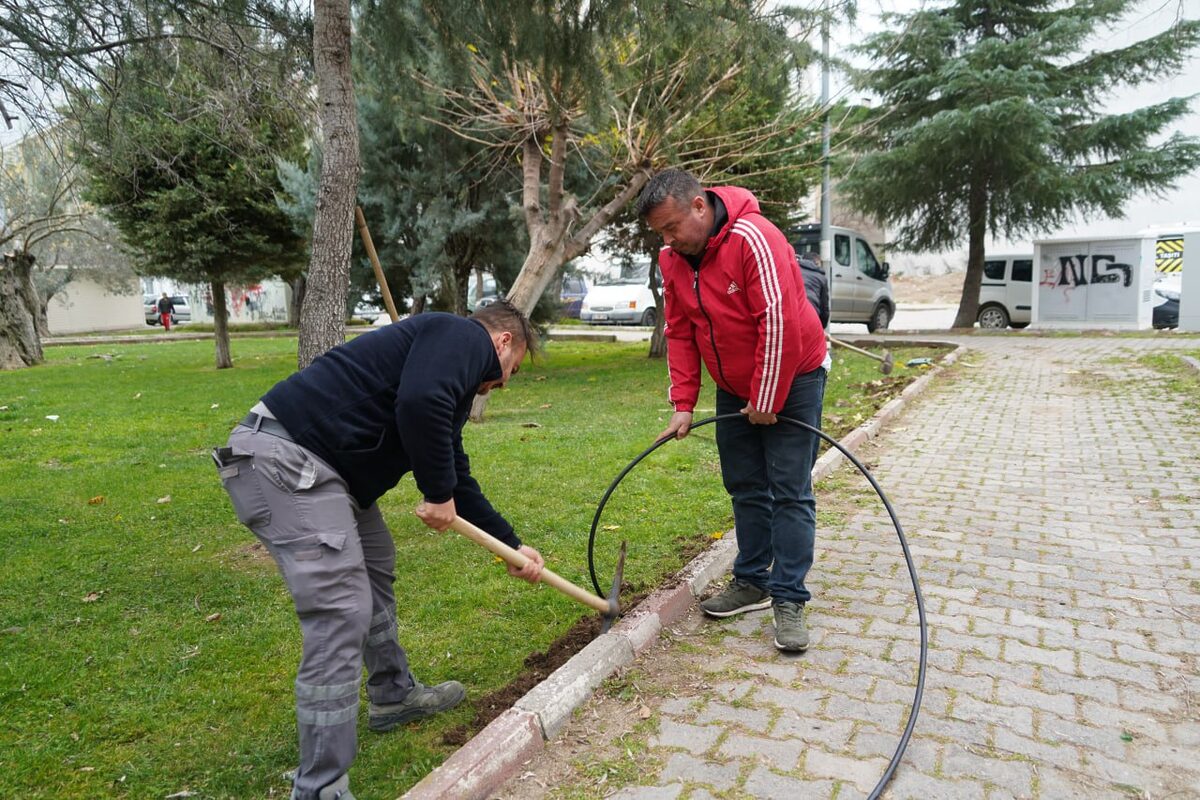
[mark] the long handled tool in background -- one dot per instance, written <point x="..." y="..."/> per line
<point x="606" y="606"/>
<point x="885" y="360"/>
<point x="365" y="232"/>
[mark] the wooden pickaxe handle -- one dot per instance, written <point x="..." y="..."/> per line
<point x="518" y="560"/>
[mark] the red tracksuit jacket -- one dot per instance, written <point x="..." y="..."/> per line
<point x="744" y="312"/>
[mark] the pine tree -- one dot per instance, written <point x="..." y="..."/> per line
<point x="993" y="120"/>
<point x="181" y="155"/>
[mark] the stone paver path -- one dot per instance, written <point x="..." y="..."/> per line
<point x="1051" y="497"/>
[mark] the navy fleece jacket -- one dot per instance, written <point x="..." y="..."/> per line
<point x="395" y="400"/>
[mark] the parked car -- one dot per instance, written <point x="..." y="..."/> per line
<point x="1166" y="301"/>
<point x="625" y="299"/>
<point x="182" y="312"/>
<point x="860" y="291"/>
<point x="574" y="289"/>
<point x="1006" y="292"/>
<point x="367" y="311"/>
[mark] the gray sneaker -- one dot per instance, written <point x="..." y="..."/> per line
<point x="423" y="701"/>
<point x="791" y="635"/>
<point x="738" y="598"/>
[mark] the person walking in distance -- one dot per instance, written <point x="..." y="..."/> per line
<point x="304" y="470"/>
<point x="165" y="309"/>
<point x="734" y="301"/>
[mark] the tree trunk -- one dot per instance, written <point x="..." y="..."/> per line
<point x="658" y="339"/>
<point x="22" y="265"/>
<point x="221" y="325"/>
<point x="323" y="315"/>
<point x="551" y="243"/>
<point x="20" y="345"/>
<point x="977" y="203"/>
<point x="297" y="286"/>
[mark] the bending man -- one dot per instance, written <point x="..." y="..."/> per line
<point x="304" y="470"/>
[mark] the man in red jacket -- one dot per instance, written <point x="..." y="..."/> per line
<point x="734" y="299"/>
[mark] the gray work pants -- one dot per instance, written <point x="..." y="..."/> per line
<point x="338" y="561"/>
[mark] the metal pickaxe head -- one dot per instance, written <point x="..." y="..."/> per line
<point x="886" y="365"/>
<point x="614" y="608"/>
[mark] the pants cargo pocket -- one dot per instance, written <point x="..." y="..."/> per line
<point x="238" y="476"/>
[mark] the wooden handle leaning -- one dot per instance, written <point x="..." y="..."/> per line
<point x="375" y="265"/>
<point x="518" y="560"/>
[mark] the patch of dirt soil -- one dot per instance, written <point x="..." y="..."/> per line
<point x="538" y="667"/>
<point x="928" y="289"/>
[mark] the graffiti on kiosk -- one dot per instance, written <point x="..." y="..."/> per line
<point x="1072" y="272"/>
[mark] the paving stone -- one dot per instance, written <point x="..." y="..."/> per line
<point x="763" y="784"/>
<point x="887" y="716"/>
<point x="911" y="785"/>
<point x="733" y="690"/>
<point x="1018" y="720"/>
<point x="806" y="701"/>
<point x="1116" y="718"/>
<point x="831" y="734"/>
<point x="693" y="738"/>
<point x="1097" y="740"/>
<point x="1092" y="667"/>
<point x="922" y="753"/>
<point x="1064" y="785"/>
<point x="683" y="767"/>
<point x="1010" y="694"/>
<point x="1013" y="774"/>
<point x="780" y="754"/>
<point x="1017" y="653"/>
<point x="864" y="773"/>
<point x="1096" y="688"/>
<point x="752" y="718"/>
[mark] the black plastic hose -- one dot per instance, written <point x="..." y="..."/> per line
<point x="912" y="570"/>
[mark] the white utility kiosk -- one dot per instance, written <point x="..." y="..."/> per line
<point x="1094" y="282"/>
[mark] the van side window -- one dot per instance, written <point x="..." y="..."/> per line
<point x="994" y="270"/>
<point x="841" y="249"/>
<point x="1023" y="270"/>
<point x="866" y="259"/>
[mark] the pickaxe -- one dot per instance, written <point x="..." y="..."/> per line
<point x="886" y="359"/>
<point x="608" y="607"/>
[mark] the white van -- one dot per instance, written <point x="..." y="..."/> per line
<point x="860" y="291"/>
<point x="624" y="298"/>
<point x="1006" y="292"/>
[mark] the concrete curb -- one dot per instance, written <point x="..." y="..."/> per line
<point x="1191" y="362"/>
<point x="483" y="764"/>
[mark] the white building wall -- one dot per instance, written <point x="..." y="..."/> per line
<point x="85" y="305"/>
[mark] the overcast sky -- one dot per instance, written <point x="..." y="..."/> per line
<point x="1149" y="18"/>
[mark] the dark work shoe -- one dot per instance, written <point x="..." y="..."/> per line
<point x="791" y="635"/>
<point x="738" y="598"/>
<point x="423" y="701"/>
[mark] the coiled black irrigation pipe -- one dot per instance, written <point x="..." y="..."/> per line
<point x="912" y="570"/>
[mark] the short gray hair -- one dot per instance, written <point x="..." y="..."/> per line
<point x="675" y="183"/>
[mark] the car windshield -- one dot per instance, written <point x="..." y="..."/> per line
<point x="807" y="242"/>
<point x="631" y="274"/>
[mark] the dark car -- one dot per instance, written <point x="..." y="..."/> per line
<point x="574" y="289"/>
<point x="1166" y="303"/>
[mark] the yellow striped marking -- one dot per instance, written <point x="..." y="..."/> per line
<point x="1168" y="255"/>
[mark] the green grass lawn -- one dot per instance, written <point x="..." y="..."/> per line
<point x="148" y="647"/>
